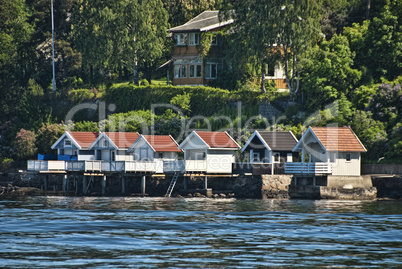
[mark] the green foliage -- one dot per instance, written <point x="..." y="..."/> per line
<point x="24" y="145"/>
<point x="79" y="95"/>
<point x="86" y="126"/>
<point x="395" y="142"/>
<point x="46" y="136"/>
<point x="182" y="101"/>
<point x="5" y="164"/>
<point x="370" y="132"/>
<point x="329" y="74"/>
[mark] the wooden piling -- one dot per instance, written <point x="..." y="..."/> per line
<point x="123" y="184"/>
<point x="84" y="185"/>
<point x="143" y="179"/>
<point x="65" y="185"/>
<point x="205" y="182"/>
<point x="104" y="185"/>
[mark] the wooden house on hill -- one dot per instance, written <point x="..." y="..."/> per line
<point x="328" y="151"/>
<point x="271" y="147"/>
<point x="209" y="152"/>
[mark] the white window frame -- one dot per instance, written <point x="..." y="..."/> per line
<point x="68" y="143"/>
<point x="104" y="143"/>
<point x="194" y="39"/>
<point x="208" y="70"/>
<point x="181" y="39"/>
<point x="195" y="68"/>
<point x="348" y="157"/>
<point x="180" y="71"/>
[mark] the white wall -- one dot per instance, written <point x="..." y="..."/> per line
<point x="341" y="167"/>
<point x="220" y="161"/>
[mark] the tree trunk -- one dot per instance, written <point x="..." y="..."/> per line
<point x="263" y="76"/>
<point x="135" y="73"/>
<point x="367" y="9"/>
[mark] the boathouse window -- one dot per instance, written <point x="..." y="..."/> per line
<point x="348" y="157"/>
<point x="256" y="156"/>
<point x="67" y="143"/>
<point x="160" y="155"/>
<point x="194" y="39"/>
<point x="104" y="143"/>
<point x="276" y="157"/>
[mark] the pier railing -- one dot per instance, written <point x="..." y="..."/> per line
<point x="42" y="165"/>
<point x="308" y="168"/>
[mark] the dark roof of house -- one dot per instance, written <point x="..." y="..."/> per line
<point x="279" y="141"/>
<point x="207" y="20"/>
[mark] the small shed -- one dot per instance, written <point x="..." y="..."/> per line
<point x="113" y="146"/>
<point x="328" y="150"/>
<point x="271" y="147"/>
<point x="76" y="144"/>
<point x="209" y="152"/>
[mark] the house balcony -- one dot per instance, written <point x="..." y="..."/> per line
<point x="84" y="166"/>
<point x="195" y="166"/>
<point x="308" y="168"/>
<point x="46" y="166"/>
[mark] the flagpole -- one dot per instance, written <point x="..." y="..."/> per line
<point x="54" y="72"/>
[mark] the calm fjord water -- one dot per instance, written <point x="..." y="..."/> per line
<point x="71" y="232"/>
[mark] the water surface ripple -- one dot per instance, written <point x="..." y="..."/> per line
<point x="71" y="232"/>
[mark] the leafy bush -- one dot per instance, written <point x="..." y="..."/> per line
<point x="24" y="145"/>
<point x="6" y="163"/>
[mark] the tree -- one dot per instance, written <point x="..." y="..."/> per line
<point x="24" y="144"/>
<point x="111" y="34"/>
<point x="47" y="135"/>
<point x="299" y="30"/>
<point x="328" y="72"/>
<point x="264" y="26"/>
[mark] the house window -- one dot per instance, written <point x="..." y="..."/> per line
<point x="216" y="40"/>
<point x="204" y="155"/>
<point x="181" y="39"/>
<point x="211" y="70"/>
<point x="180" y="70"/>
<point x="256" y="156"/>
<point x="270" y="70"/>
<point x="333" y="157"/>
<point x="104" y="143"/>
<point x="194" y="39"/>
<point x="195" y="68"/>
<point x="276" y="157"/>
<point x="160" y="155"/>
<point x="348" y="157"/>
<point x="67" y="143"/>
<point x="289" y="157"/>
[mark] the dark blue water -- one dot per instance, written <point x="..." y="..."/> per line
<point x="65" y="232"/>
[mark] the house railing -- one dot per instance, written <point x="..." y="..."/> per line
<point x="308" y="168"/>
<point x="77" y="166"/>
<point x="46" y="165"/>
<point x="173" y="166"/>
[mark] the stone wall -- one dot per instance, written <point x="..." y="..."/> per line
<point x="385" y="169"/>
<point x="275" y="186"/>
<point x="388" y="187"/>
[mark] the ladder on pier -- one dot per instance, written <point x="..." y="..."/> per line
<point x="172" y="184"/>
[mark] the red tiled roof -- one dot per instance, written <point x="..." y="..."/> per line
<point x="162" y="143"/>
<point x="84" y="139"/>
<point x="338" y="139"/>
<point x="122" y="139"/>
<point x="218" y="139"/>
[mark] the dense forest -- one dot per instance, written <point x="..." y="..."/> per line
<point x="343" y="60"/>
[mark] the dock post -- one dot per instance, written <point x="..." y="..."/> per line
<point x="104" y="185"/>
<point x="76" y="185"/>
<point x="65" y="184"/>
<point x="185" y="182"/>
<point x="143" y="185"/>
<point x="84" y="185"/>
<point x="314" y="180"/>
<point x="45" y="182"/>
<point x="123" y="184"/>
<point x="205" y="182"/>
